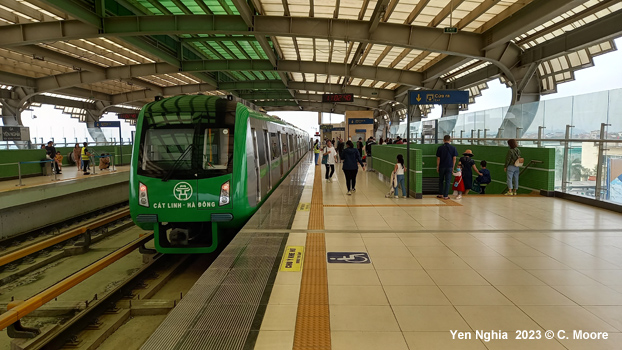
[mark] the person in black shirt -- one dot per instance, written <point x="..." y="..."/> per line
<point x="359" y="146"/>
<point x="445" y="161"/>
<point x="50" y="150"/>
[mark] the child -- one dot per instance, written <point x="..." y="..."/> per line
<point x="458" y="183"/>
<point x="59" y="160"/>
<point x="485" y="178"/>
<point x="399" y="175"/>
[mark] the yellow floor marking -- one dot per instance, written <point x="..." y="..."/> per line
<point x="293" y="257"/>
<point x="313" y="317"/>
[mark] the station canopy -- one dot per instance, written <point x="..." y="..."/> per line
<point x="283" y="54"/>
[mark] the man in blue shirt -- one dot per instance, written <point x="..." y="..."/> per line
<point x="445" y="162"/>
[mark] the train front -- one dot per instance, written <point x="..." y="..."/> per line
<point x="182" y="166"/>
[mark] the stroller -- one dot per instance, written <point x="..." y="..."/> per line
<point x="393" y="184"/>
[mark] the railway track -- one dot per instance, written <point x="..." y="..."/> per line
<point x="28" y="256"/>
<point x="15" y="242"/>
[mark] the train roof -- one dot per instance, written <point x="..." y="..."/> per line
<point x="215" y="105"/>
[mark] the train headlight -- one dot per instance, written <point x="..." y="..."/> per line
<point x="224" y="194"/>
<point x="143" y="199"/>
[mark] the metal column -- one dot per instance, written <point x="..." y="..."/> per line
<point x="408" y="153"/>
<point x="566" y="151"/>
<point x="540" y="136"/>
<point x="599" y="163"/>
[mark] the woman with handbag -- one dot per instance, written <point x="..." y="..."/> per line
<point x="328" y="159"/>
<point x="513" y="161"/>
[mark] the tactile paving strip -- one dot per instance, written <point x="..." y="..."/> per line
<point x="313" y="317"/>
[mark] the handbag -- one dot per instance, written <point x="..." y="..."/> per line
<point x="325" y="159"/>
<point x="519" y="162"/>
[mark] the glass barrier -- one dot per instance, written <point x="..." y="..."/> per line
<point x="584" y="130"/>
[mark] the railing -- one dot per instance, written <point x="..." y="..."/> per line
<point x="583" y="166"/>
<point x="524" y="169"/>
<point x="5" y="145"/>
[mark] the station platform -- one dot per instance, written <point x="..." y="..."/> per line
<point x="45" y="200"/>
<point x="484" y="272"/>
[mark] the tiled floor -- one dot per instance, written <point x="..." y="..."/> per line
<point x="488" y="264"/>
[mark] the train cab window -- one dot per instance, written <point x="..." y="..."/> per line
<point x="275" y="150"/>
<point x="216" y="146"/>
<point x="186" y="146"/>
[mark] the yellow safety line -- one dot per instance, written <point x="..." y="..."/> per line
<point x="313" y="317"/>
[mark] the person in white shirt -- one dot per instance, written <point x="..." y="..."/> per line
<point x="331" y="153"/>
<point x="399" y="174"/>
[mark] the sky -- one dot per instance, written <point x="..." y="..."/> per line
<point x="47" y="122"/>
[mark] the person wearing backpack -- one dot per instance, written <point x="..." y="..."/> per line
<point x="513" y="161"/>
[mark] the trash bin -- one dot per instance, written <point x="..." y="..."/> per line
<point x="46" y="168"/>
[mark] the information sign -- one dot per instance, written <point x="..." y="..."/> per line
<point x="438" y="97"/>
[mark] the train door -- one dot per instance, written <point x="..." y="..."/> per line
<point x="281" y="144"/>
<point x="268" y="156"/>
<point x="256" y="164"/>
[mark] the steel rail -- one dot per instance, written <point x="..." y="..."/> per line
<point x="24" y="308"/>
<point x="9" y="258"/>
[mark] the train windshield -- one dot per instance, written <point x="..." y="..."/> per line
<point x="165" y="147"/>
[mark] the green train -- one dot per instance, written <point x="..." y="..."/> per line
<point x="202" y="165"/>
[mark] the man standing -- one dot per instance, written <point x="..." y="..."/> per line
<point x="445" y="161"/>
<point x="359" y="146"/>
<point x="50" y="150"/>
<point x="85" y="154"/>
<point x="368" y="144"/>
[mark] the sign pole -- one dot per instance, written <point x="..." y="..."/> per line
<point x="408" y="151"/>
<point x="120" y="145"/>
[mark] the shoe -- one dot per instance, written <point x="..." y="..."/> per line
<point x="86" y="174"/>
<point x="508" y="194"/>
<point x="446" y="198"/>
<point x="353" y="190"/>
<point x="458" y="197"/>
<point x="396" y="197"/>
<point x="349" y="193"/>
<point x="58" y="173"/>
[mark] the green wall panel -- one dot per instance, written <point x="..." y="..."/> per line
<point x="385" y="157"/>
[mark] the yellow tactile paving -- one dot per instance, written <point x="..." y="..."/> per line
<point x="313" y="317"/>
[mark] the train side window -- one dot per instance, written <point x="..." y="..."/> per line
<point x="275" y="150"/>
<point x="284" y="143"/>
<point x="261" y="148"/>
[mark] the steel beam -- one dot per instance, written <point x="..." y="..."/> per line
<point x="60" y="81"/>
<point x="167" y="91"/>
<point x="11" y="79"/>
<point x="415" y="37"/>
<point x="384" y="94"/>
<point x="255" y="97"/>
<point x="531" y="16"/>
<point x="314" y="107"/>
<point x="606" y="28"/>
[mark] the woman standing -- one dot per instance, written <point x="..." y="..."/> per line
<point x="468" y="166"/>
<point x="399" y="173"/>
<point x="331" y="153"/>
<point x="512" y="162"/>
<point x="350" y="167"/>
<point x="76" y="156"/>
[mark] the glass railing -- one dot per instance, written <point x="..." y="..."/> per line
<point x="585" y="131"/>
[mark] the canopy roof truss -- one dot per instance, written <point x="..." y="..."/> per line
<point x="283" y="54"/>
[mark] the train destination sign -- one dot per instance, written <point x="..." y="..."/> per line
<point x="338" y="98"/>
<point x="127" y="116"/>
<point x="437" y="97"/>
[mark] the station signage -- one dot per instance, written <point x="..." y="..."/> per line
<point x="130" y="116"/>
<point x="337" y="97"/>
<point x="360" y="121"/>
<point x="438" y="97"/>
<point x="107" y="124"/>
<point x="14" y="133"/>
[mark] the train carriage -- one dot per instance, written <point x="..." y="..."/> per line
<point x="202" y="165"/>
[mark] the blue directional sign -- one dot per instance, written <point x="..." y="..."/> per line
<point x="107" y="124"/>
<point x="438" y="97"/>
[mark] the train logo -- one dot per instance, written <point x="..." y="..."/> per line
<point x="182" y="191"/>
